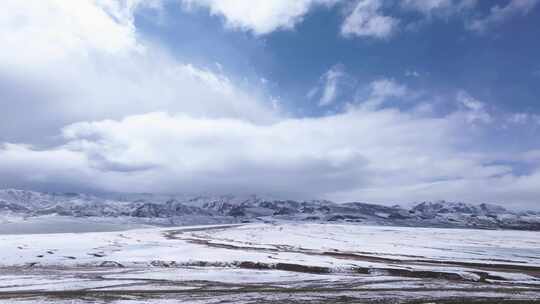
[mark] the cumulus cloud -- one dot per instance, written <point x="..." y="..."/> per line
<point x="377" y="19"/>
<point x="262" y="17"/>
<point x="499" y="14"/>
<point x="367" y="20"/>
<point x="70" y="61"/>
<point x="31" y="27"/>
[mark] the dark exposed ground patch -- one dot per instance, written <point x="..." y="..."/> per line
<point x="404" y="269"/>
<point x="266" y="294"/>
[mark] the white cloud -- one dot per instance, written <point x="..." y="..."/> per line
<point x="42" y="31"/>
<point x="499" y="14"/>
<point x="475" y="110"/>
<point x="519" y="118"/>
<point x="330" y="89"/>
<point x="381" y="91"/>
<point x="380" y="155"/>
<point x="469" y="102"/>
<point x="524" y="118"/>
<point x="22" y="167"/>
<point x="387" y="88"/>
<point x="262" y="17"/>
<point x="366" y="20"/>
<point x="444" y="7"/>
<point x="336" y="82"/>
<point x="136" y="119"/>
<point x="83" y="60"/>
<point x="331" y="84"/>
<point x="514" y="191"/>
<point x="426" y="6"/>
<point x="412" y="73"/>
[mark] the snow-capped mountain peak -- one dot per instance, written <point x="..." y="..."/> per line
<point x="176" y="209"/>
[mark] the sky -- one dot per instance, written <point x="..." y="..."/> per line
<point x="382" y="101"/>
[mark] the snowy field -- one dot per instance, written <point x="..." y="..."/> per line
<point x="278" y="263"/>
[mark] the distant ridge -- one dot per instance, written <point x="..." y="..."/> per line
<point x="183" y="209"/>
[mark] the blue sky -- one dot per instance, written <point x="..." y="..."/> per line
<point x="387" y="101"/>
<point x="501" y="65"/>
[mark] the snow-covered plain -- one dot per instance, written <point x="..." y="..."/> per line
<point x="270" y="263"/>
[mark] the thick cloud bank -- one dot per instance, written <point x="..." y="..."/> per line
<point x="383" y="155"/>
<point x="103" y="109"/>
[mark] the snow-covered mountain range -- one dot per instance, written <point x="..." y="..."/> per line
<point x="183" y="209"/>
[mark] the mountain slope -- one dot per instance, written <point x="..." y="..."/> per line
<point x="179" y="209"/>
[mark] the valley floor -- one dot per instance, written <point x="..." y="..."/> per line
<point x="272" y="263"/>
